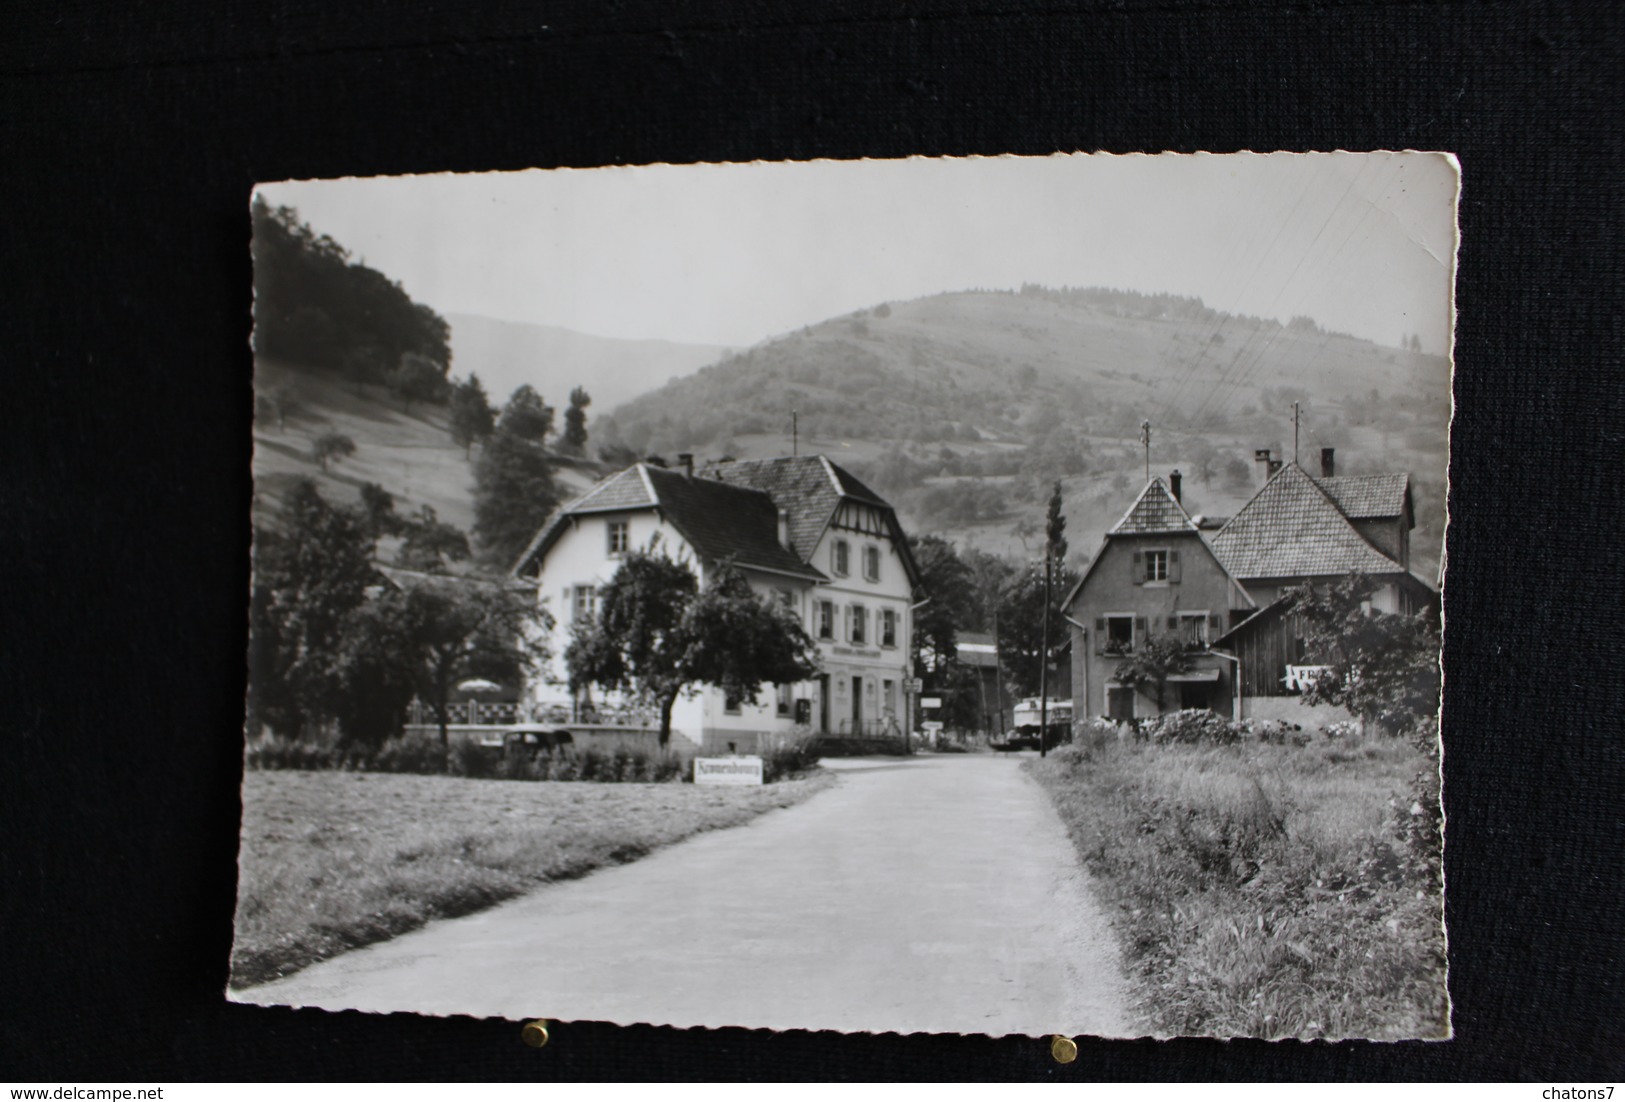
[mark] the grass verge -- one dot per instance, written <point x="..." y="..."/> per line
<point x="332" y="861"/>
<point x="1266" y="890"/>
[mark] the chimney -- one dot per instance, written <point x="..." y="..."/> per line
<point x="655" y="461"/>
<point x="685" y="460"/>
<point x="784" y="529"/>
<point x="1261" y="460"/>
<point x="1174" y="479"/>
<point x="1328" y="463"/>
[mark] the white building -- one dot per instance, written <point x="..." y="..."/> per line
<point x="805" y="532"/>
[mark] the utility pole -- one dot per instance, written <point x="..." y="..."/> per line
<point x="1054" y="545"/>
<point x="1145" y="438"/>
<point x="795" y="437"/>
<point x="1294" y="432"/>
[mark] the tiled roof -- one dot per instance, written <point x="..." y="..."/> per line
<point x="1292" y="528"/>
<point x="722" y="521"/>
<point x="803" y="485"/>
<point x="1368" y="496"/>
<point x="1155" y="510"/>
<point x="624" y="490"/>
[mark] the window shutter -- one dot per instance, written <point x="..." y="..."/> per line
<point x="1140" y="627"/>
<point x="1173" y="623"/>
<point x="1173" y="566"/>
<point x="1100" y="635"/>
<point x="1215" y="622"/>
<point x="1139" y="568"/>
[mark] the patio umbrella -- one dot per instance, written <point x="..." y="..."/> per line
<point x="478" y="685"/>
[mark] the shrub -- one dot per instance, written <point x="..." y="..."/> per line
<point x="788" y="760"/>
<point x="273" y="751"/>
<point x="409" y="754"/>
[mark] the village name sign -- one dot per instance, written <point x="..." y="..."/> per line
<point x="743" y="770"/>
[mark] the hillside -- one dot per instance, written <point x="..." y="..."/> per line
<point x="962" y="407"/>
<point x="409" y="454"/>
<point x="506" y="354"/>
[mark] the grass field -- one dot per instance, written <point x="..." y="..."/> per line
<point x="1265" y="890"/>
<point x="331" y="861"/>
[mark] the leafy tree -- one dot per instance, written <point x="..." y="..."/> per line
<point x="472" y="418"/>
<point x="1382" y="666"/>
<point x="1021" y="623"/>
<point x="330" y="447"/>
<point x="456" y="630"/>
<point x="657" y="632"/>
<point x="314" y="306"/>
<point x="575" y="419"/>
<point x="1055" y="528"/>
<point x="378" y="509"/>
<point x="1153" y="663"/>
<point x="526" y="416"/>
<point x="310" y="571"/>
<point x="514" y="494"/>
<point x="276" y="403"/>
<point x="429" y="542"/>
<point x="417" y="379"/>
<point x="374" y="673"/>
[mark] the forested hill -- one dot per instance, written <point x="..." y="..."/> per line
<point x="964" y="406"/>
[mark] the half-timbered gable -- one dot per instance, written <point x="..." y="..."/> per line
<point x="805" y="532"/>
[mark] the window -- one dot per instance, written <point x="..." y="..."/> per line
<point x="1156" y="566"/>
<point x="888" y="698"/>
<point x="1118" y="635"/>
<point x="730" y="704"/>
<point x="871" y="563"/>
<point x="826" y="619"/>
<point x="840" y="558"/>
<point x="888" y="627"/>
<point x="786" y="598"/>
<point x="1192" y="629"/>
<point x="860" y="624"/>
<point x="784" y="700"/>
<point x="620" y="537"/>
<point x="585" y="602"/>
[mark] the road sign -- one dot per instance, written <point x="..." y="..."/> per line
<point x="931" y="725"/>
<point x="930" y="701"/>
<point x="915" y="684"/>
<point x="729" y="771"/>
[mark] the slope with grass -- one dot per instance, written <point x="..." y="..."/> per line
<point x="408" y="452"/>
<point x="961" y="407"/>
<point x="1267" y="890"/>
<point x="334" y="860"/>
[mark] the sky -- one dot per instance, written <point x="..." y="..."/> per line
<point x="735" y="254"/>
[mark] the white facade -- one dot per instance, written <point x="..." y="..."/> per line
<point x="860" y="618"/>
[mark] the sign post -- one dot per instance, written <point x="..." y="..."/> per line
<point x="728" y="771"/>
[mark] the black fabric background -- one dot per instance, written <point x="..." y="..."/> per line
<point x="129" y="139"/>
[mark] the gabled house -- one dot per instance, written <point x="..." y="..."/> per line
<point x="1299" y="529"/>
<point x="1154" y="574"/>
<point x="803" y="531"/>
<point x="1295" y="529"/>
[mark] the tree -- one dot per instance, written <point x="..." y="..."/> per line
<point x="310" y="571"/>
<point x="514" y="494"/>
<point x="472" y="418"/>
<point x="330" y="447"/>
<point x="575" y="419"/>
<point x="378" y="509"/>
<point x="657" y="632"/>
<point x="429" y="542"/>
<point x="417" y="379"/>
<point x="1153" y="663"/>
<point x="457" y="629"/>
<point x="526" y="416"/>
<point x="1382" y="666"/>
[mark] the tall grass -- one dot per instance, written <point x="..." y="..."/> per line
<point x="1267" y="890"/>
<point x="333" y="860"/>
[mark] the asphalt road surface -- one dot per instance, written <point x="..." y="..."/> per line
<point x="930" y="894"/>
